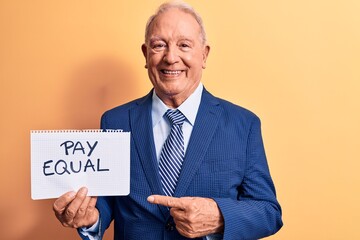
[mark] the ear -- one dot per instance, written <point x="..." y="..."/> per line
<point x="206" y="51"/>
<point x="144" y="51"/>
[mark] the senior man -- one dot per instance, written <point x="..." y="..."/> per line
<point x="198" y="166"/>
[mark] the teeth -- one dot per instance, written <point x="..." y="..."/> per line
<point x="171" y="72"/>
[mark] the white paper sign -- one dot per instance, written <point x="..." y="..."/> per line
<point x="66" y="160"/>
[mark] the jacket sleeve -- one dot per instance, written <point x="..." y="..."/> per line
<point x="255" y="213"/>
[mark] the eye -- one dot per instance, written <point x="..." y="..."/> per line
<point x="185" y="45"/>
<point x="158" y="46"/>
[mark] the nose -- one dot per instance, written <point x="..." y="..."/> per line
<point x="171" y="55"/>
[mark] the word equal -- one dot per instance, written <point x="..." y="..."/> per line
<point x="74" y="149"/>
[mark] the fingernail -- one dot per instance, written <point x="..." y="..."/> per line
<point x="151" y="199"/>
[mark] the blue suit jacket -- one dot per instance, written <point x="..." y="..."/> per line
<point x="225" y="160"/>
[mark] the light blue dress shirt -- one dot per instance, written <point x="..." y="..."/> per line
<point x="162" y="126"/>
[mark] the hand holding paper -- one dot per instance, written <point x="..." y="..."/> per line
<point x="76" y="209"/>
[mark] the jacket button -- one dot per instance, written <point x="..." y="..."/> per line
<point x="170" y="226"/>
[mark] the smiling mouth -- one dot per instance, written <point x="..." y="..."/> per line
<point x="171" y="72"/>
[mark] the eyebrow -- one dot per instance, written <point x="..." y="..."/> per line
<point x="154" y="38"/>
<point x="184" y="38"/>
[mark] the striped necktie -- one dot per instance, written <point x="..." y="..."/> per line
<point x="172" y="153"/>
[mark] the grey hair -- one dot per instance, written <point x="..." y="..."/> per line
<point x="181" y="6"/>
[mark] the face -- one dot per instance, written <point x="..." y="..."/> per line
<point x="175" y="56"/>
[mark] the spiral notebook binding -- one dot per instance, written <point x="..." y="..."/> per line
<point x="76" y="130"/>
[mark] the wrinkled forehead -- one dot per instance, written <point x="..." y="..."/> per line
<point x="175" y="22"/>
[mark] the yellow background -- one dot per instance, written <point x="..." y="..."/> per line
<point x="295" y="63"/>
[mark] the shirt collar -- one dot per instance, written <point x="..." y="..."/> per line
<point x="189" y="107"/>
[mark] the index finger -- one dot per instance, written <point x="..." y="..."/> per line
<point x="166" y="201"/>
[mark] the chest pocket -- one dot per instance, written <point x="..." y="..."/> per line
<point x="218" y="178"/>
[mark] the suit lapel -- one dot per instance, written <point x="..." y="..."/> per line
<point x="205" y="125"/>
<point x="141" y="130"/>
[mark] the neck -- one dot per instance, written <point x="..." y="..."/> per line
<point x="175" y="100"/>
